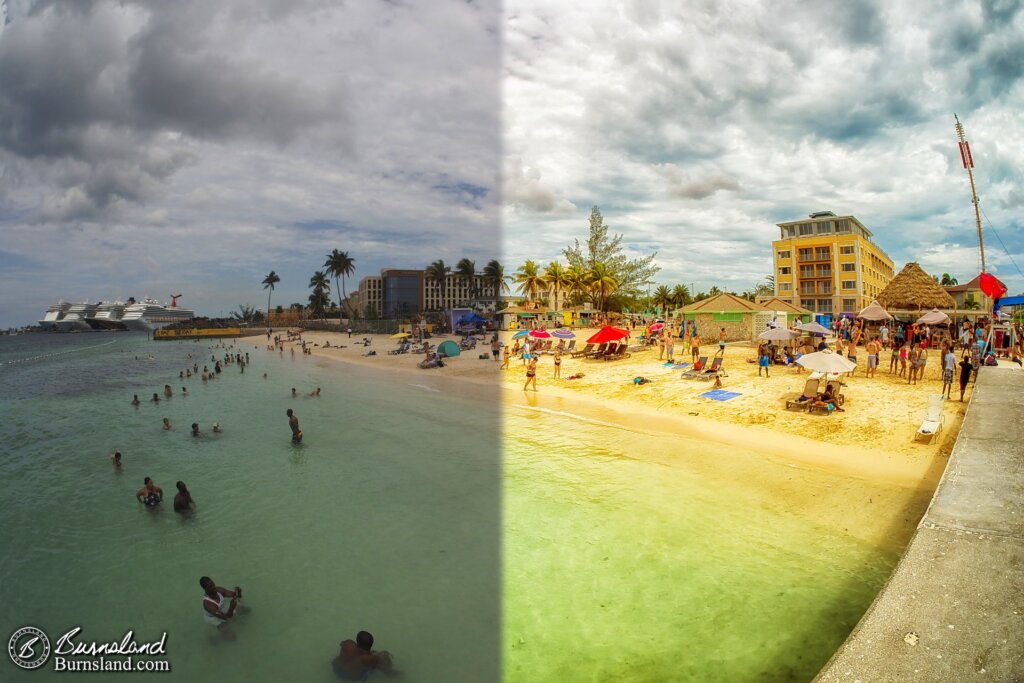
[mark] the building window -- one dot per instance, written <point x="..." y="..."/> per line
<point x="849" y="305"/>
<point x="783" y="255"/>
<point x="807" y="288"/>
<point x="846" y="249"/>
<point x="824" y="305"/>
<point x="824" y="288"/>
<point x="785" y="286"/>
<point x="788" y="231"/>
<point x="825" y="228"/>
<point x="806" y="229"/>
<point x="823" y="271"/>
<point x="808" y="304"/>
<point x="843" y="225"/>
<point x="806" y="254"/>
<point x="849" y="284"/>
<point x="806" y="271"/>
<point x="822" y="254"/>
<point x="785" y="271"/>
<point x="849" y="267"/>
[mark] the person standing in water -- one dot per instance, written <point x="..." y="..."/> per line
<point x="183" y="500"/>
<point x="135" y="400"/>
<point x="116" y="460"/>
<point x="293" y="423"/>
<point x="167" y="423"/>
<point x="213" y="604"/>
<point x="531" y="374"/>
<point x="150" y="494"/>
<point x="357" y="660"/>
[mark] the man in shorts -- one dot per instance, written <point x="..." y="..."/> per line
<point x="873" y="348"/>
<point x="948" y="368"/>
<point x="293" y="423"/>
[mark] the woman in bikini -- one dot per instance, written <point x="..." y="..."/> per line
<point x="531" y="374"/>
<point x="558" y="364"/>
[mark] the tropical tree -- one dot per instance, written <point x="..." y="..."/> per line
<point x="531" y="282"/>
<point x="320" y="299"/>
<point x="439" y="271"/>
<point x="948" y="281"/>
<point x="465" y="270"/>
<point x="662" y="297"/>
<point x="600" y="248"/>
<point x="681" y="295"/>
<point x="602" y="284"/>
<point x="245" y="313"/>
<point x="714" y="291"/>
<point x="495" y="273"/>
<point x="556" y="280"/>
<point x="577" y="283"/>
<point x="338" y="265"/>
<point x="268" y="283"/>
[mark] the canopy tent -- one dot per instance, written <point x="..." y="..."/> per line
<point x="913" y="289"/>
<point x="472" y="319"/>
<point x="826" y="361"/>
<point x="933" y="317"/>
<point x="448" y="348"/>
<point x="608" y="334"/>
<point x="874" y="311"/>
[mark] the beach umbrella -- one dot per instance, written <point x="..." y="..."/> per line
<point x="563" y="334"/>
<point x="400" y="335"/>
<point x="607" y="334"/>
<point x="814" y="328"/>
<point x="933" y="317"/>
<point x="874" y="311"/>
<point x="520" y="333"/>
<point x="826" y="361"/>
<point x="778" y="334"/>
<point x="540" y="334"/>
<point x="448" y="348"/>
<point x="656" y="326"/>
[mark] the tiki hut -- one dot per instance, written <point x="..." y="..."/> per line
<point x="914" y="290"/>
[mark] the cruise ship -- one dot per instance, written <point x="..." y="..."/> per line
<point x="75" y="319"/>
<point x="150" y="314"/>
<point x="53" y="314"/>
<point x="108" y="317"/>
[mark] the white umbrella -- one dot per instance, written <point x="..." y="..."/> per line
<point x="874" y="311"/>
<point x="826" y="361"/>
<point x="933" y="317"/>
<point x="814" y="328"/>
<point x="777" y="334"/>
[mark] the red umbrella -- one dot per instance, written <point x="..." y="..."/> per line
<point x="540" y="334"/>
<point x="608" y="334"/>
<point x="655" y="327"/>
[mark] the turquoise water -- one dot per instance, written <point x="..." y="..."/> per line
<point x="385" y="519"/>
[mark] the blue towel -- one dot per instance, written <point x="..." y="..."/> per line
<point x="679" y="367"/>
<point x="720" y="395"/>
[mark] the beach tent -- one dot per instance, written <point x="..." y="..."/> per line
<point x="608" y="334"/>
<point x="914" y="290"/>
<point x="826" y="361"/>
<point x="874" y="311"/>
<point x="448" y="348"/>
<point x="933" y="317"/>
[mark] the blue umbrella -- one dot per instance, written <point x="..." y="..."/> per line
<point x="563" y="334"/>
<point x="520" y="333"/>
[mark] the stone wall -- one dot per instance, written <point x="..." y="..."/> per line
<point x="708" y="328"/>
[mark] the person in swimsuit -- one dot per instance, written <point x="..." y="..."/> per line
<point x="912" y="364"/>
<point x="506" y="356"/>
<point x="558" y="364"/>
<point x="155" y="399"/>
<point x="167" y="391"/>
<point x="135" y="400"/>
<point x="293" y="423"/>
<point x="167" y="423"/>
<point x="213" y="605"/>
<point x="873" y="348"/>
<point x="116" y="460"/>
<point x="149" y="495"/>
<point x="894" y="358"/>
<point x="695" y="345"/>
<point x="762" y="360"/>
<point x="357" y="660"/>
<point x="195" y="429"/>
<point x="183" y="499"/>
<point x="184" y="391"/>
<point x="295" y="394"/>
<point x="216" y="428"/>
<point x="531" y="375"/>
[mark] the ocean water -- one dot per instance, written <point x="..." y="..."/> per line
<point x="572" y="549"/>
<point x="386" y="518"/>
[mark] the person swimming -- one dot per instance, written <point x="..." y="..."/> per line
<point x="167" y="391"/>
<point x="183" y="499"/>
<point x="184" y="391"/>
<point x="294" y="393"/>
<point x="195" y="429"/>
<point x="216" y="428"/>
<point x="315" y="393"/>
<point x="167" y="423"/>
<point x="293" y="423"/>
<point x="357" y="660"/>
<point x="135" y="399"/>
<point x="116" y="460"/>
<point x="150" y="494"/>
<point x="155" y="399"/>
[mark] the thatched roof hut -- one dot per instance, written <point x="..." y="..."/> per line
<point x="913" y="290"/>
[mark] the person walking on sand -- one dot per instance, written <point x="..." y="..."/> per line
<point x="966" y="368"/>
<point x="762" y="360"/>
<point x="894" y="358"/>
<point x="695" y="345"/>
<point x="670" y="348"/>
<point x="495" y="348"/>
<point x="873" y="348"/>
<point x="912" y="364"/>
<point x="948" y="368"/>
<point x="506" y="356"/>
<point x="558" y="364"/>
<point x="531" y="374"/>
<point x="293" y="424"/>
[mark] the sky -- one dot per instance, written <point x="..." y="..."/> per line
<point x="155" y="148"/>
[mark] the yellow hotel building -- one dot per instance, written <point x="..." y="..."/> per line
<point x="829" y="264"/>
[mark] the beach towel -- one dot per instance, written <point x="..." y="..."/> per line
<point x="679" y="366"/>
<point x="720" y="395"/>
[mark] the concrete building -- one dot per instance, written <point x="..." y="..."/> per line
<point x="399" y="293"/>
<point x="828" y="264"/>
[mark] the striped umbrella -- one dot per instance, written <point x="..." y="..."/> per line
<point x="520" y="333"/>
<point x="563" y="334"/>
<point x="540" y="334"/>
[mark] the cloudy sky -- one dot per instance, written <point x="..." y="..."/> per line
<point x="697" y="126"/>
<point x="154" y="148"/>
<point x="148" y="148"/>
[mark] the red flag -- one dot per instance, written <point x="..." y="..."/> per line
<point x="963" y="157"/>
<point x="992" y="287"/>
<point x="967" y="146"/>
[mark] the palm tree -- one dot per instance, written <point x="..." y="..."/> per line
<point x="680" y="295"/>
<point x="948" y="281"/>
<point x="268" y="283"/>
<point x="714" y="291"/>
<point x="602" y="284"/>
<point x="320" y="298"/>
<point x="439" y="271"/>
<point x="466" y="272"/>
<point x="576" y="283"/>
<point x="495" y="274"/>
<point x="662" y="297"/>
<point x="338" y="265"/>
<point x="555" y="278"/>
<point x="531" y="282"/>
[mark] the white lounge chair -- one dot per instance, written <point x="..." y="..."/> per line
<point x="933" y="419"/>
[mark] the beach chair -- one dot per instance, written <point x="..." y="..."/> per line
<point x="609" y="351"/>
<point x="716" y="367"/>
<point x="837" y="388"/>
<point x="807" y="398"/>
<point x="585" y="351"/>
<point x="933" y="419"/>
<point x="615" y="352"/>
<point x="599" y="351"/>
<point x="697" y="368"/>
<point x="570" y="347"/>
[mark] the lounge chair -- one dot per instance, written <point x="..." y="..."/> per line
<point x="599" y="351"/>
<point x="809" y="396"/>
<point x="933" y="419"/>
<point x="716" y="366"/>
<point x="570" y="347"/>
<point x="608" y="351"/>
<point x="837" y="388"/>
<point x="616" y="352"/>
<point x="585" y="351"/>
<point x="697" y="368"/>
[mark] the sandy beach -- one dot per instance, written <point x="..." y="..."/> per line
<point x="872" y="439"/>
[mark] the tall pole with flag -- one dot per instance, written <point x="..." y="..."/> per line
<point x="965" y="157"/>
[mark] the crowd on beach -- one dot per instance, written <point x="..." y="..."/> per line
<point x="356" y="658"/>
